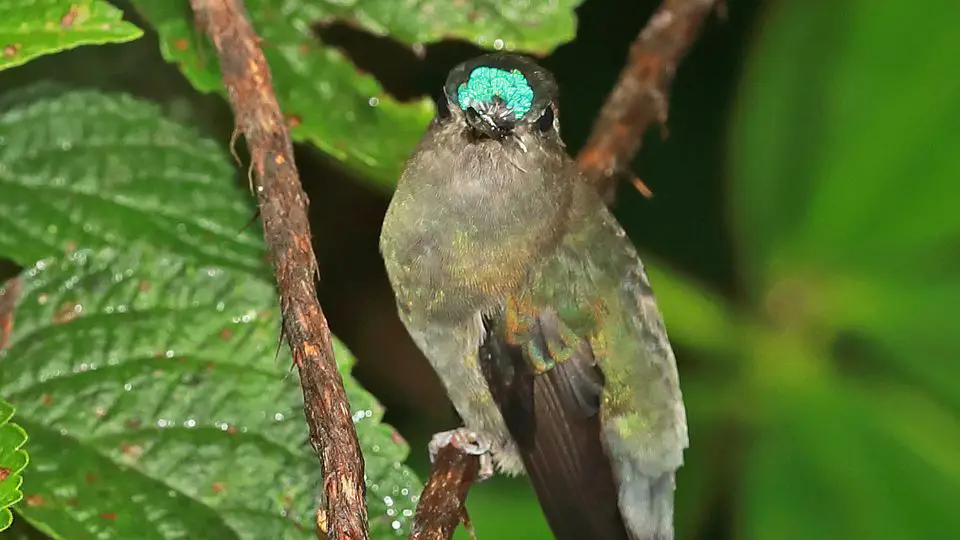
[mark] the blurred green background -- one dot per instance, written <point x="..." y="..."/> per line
<point x="803" y="240"/>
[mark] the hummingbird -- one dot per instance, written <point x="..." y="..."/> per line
<point x="531" y="304"/>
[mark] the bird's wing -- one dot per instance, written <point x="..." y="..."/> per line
<point x="611" y="400"/>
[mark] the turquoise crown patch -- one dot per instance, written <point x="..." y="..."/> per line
<point x="486" y="82"/>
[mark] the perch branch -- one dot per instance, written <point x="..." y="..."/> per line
<point x="441" y="507"/>
<point x="640" y="96"/>
<point x="283" y="209"/>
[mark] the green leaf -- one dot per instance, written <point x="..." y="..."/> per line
<point x="328" y="102"/>
<point x="846" y="180"/>
<point x="158" y="408"/>
<point x="91" y="170"/>
<point x="13" y="459"/>
<point x="853" y="462"/>
<point x="850" y="210"/>
<point x="693" y="315"/>
<point x="150" y="372"/>
<point x="31" y="28"/>
<point x="844" y="192"/>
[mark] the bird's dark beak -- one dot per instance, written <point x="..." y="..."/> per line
<point x="494" y="120"/>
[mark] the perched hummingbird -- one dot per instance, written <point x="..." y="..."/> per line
<point x="531" y="303"/>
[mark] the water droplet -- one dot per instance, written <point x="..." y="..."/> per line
<point x="161" y="423"/>
<point x="395" y="524"/>
<point x="190" y="423"/>
<point x="498" y="44"/>
<point x="168" y="354"/>
<point x="278" y="417"/>
<point x="128" y="387"/>
<point x="373" y="101"/>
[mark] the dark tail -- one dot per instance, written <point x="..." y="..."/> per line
<point x="553" y="418"/>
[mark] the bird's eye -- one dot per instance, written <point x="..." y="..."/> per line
<point x="545" y="122"/>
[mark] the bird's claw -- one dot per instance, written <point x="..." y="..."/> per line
<point x="468" y="442"/>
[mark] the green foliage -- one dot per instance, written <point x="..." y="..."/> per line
<point x="845" y="171"/>
<point x="30" y="28"/>
<point x="143" y="357"/>
<point x="327" y="100"/>
<point x="13" y="460"/>
<point x="84" y="171"/>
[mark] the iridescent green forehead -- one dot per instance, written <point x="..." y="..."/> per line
<point x="486" y="82"/>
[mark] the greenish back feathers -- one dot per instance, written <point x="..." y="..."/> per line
<point x="486" y="82"/>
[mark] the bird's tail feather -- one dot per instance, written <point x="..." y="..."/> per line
<point x="646" y="504"/>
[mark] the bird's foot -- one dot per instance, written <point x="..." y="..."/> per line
<point x="468" y="442"/>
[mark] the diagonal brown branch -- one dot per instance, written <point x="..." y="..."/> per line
<point x="283" y="209"/>
<point x="640" y="96"/>
<point x="441" y="506"/>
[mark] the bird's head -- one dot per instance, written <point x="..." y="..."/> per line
<point x="501" y="95"/>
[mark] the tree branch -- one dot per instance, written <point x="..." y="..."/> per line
<point x="640" y="96"/>
<point x="441" y="506"/>
<point x="283" y="210"/>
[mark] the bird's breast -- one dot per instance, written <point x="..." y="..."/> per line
<point x="461" y="237"/>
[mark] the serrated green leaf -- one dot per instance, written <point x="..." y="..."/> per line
<point x="149" y="371"/>
<point x="13" y="460"/>
<point x="31" y="28"/>
<point x="88" y="169"/>
<point x="327" y="101"/>
<point x="158" y="409"/>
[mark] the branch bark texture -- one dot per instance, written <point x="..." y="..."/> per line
<point x="283" y="210"/>
<point x="640" y="96"/>
<point x="441" y="507"/>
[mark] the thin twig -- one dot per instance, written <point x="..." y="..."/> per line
<point x="441" y="506"/>
<point x="640" y="96"/>
<point x="9" y="295"/>
<point x="282" y="204"/>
